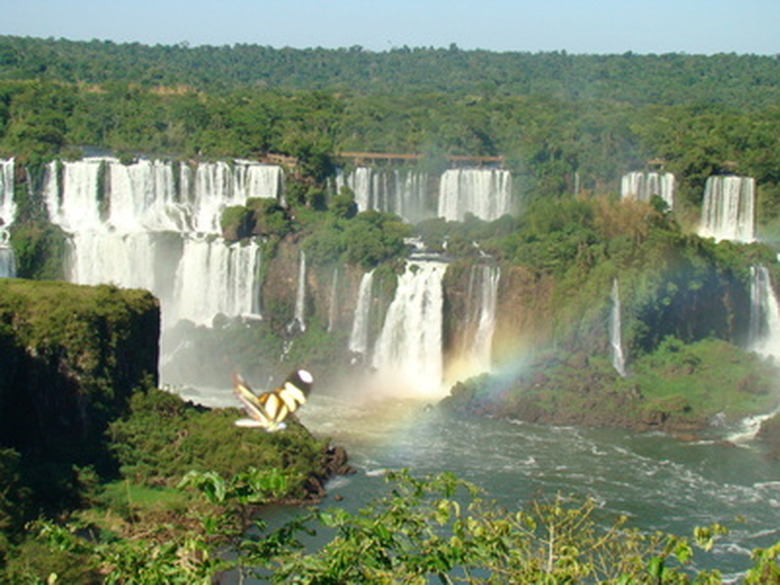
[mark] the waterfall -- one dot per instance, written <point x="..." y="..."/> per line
<point x="7" y="205"/>
<point x="155" y="225"/>
<point x="728" y="209"/>
<point x="486" y="193"/>
<point x="408" y="351"/>
<point x="7" y="217"/>
<point x="764" y="333"/>
<point x="334" y="306"/>
<point x="358" y="338"/>
<point x="403" y="192"/>
<point x="644" y="185"/>
<point x="483" y="339"/>
<point x="616" y="333"/>
<point x="214" y="278"/>
<point x="482" y="295"/>
<point x="300" y="296"/>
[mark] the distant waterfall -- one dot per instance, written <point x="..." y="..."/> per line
<point x="616" y="332"/>
<point x="300" y="296"/>
<point x="155" y="225"/>
<point x="408" y="352"/>
<point x="333" y="307"/>
<point x="7" y="205"/>
<point x="482" y="296"/>
<point x="764" y="335"/>
<point x="400" y="191"/>
<point x="7" y="217"/>
<point x="358" y="338"/>
<point x="485" y="193"/>
<point x="728" y="209"/>
<point x="644" y="185"/>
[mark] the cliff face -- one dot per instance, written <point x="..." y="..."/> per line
<point x="70" y="357"/>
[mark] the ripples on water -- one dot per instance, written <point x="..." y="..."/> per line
<point x="661" y="483"/>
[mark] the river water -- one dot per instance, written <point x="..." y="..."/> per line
<point x="660" y="482"/>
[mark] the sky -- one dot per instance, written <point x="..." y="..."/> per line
<point x="575" y="26"/>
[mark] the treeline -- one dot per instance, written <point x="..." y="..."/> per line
<point x="564" y="123"/>
<point x="552" y="145"/>
<point x="741" y="81"/>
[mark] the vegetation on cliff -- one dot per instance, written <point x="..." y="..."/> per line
<point x="83" y="426"/>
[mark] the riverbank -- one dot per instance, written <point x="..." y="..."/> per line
<point x="690" y="391"/>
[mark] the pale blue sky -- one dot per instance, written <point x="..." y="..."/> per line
<point x="577" y="26"/>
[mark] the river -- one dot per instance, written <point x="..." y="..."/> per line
<point x="660" y="482"/>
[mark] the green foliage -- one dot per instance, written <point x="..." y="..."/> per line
<point x="236" y="222"/>
<point x="163" y="438"/>
<point x="439" y="527"/>
<point x="270" y="218"/>
<point x="40" y="250"/>
<point x="343" y="205"/>
<point x="366" y="240"/>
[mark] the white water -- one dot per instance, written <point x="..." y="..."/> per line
<point x="728" y="211"/>
<point x="483" y="292"/>
<point x="764" y="335"/>
<point x="213" y="278"/>
<point x="7" y="205"/>
<point x="403" y="192"/>
<point x="155" y="225"/>
<point x="300" y="296"/>
<point x="408" y="351"/>
<point x="334" y="305"/>
<point x="7" y="217"/>
<point x="358" y="338"/>
<point x="485" y="193"/>
<point x="644" y="185"/>
<point x="659" y="482"/>
<point x="616" y="332"/>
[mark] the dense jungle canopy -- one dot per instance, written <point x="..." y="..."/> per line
<point x="561" y="121"/>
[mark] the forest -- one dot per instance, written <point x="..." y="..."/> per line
<point x="560" y="121"/>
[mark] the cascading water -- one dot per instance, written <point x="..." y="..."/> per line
<point x="764" y="335"/>
<point x="408" y="351"/>
<point x="728" y="209"/>
<point x="644" y="185"/>
<point x="616" y="332"/>
<point x="403" y="192"/>
<point x="358" y="338"/>
<point x="226" y="281"/>
<point x="333" y="307"/>
<point x="155" y="225"/>
<point x="300" y="297"/>
<point x="482" y="296"/>
<point x="7" y="216"/>
<point x="485" y="193"/>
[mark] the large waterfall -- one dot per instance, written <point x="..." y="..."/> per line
<point x="7" y="216"/>
<point x="728" y="209"/>
<point x="485" y="193"/>
<point x="408" y="351"/>
<point x="764" y="336"/>
<point x="155" y="225"/>
<point x="399" y="191"/>
<point x="644" y="185"/>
